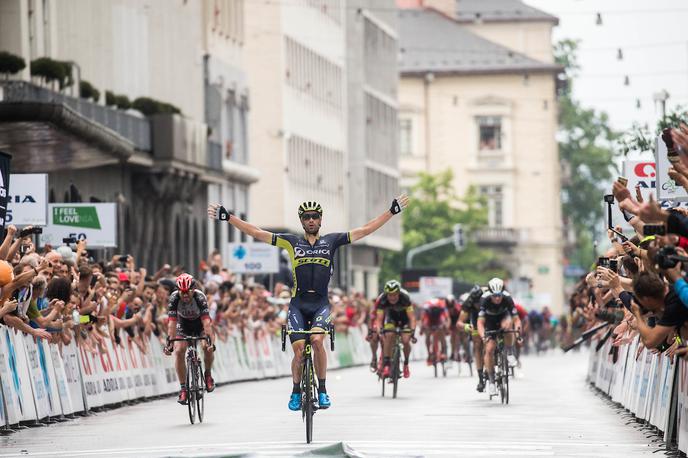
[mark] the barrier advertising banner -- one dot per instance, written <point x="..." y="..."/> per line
<point x="95" y="222"/>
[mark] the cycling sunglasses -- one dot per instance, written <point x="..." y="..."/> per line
<point x="307" y="216"/>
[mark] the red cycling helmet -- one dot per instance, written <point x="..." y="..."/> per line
<point x="185" y="282"/>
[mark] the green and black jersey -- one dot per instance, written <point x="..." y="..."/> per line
<point x="312" y="265"/>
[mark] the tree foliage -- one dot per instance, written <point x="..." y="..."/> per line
<point x="586" y="153"/>
<point x="88" y="91"/>
<point x="10" y="63"/>
<point x="434" y="209"/>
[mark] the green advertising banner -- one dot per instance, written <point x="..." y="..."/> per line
<point x="96" y="223"/>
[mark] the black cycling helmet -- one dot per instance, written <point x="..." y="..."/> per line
<point x="310" y="206"/>
<point x="392" y="286"/>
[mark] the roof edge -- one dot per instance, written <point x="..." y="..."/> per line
<point x="553" y="69"/>
<point x="553" y="19"/>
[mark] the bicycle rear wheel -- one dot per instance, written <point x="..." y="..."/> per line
<point x="200" y="392"/>
<point x="191" y="388"/>
<point x="505" y="382"/>
<point x="308" y="399"/>
<point x="395" y="372"/>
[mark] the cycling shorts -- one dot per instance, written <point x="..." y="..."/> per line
<point x="494" y="322"/>
<point x="305" y="315"/>
<point x="189" y="328"/>
<point x="394" y="320"/>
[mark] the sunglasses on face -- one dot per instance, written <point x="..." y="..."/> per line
<point x="307" y="216"/>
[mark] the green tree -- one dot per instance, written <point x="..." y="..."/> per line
<point x="433" y="210"/>
<point x="586" y="155"/>
<point x="10" y="63"/>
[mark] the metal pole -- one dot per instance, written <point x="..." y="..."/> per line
<point x="427" y="247"/>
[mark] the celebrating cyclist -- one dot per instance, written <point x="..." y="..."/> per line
<point x="394" y="309"/>
<point x="435" y="323"/>
<point x="312" y="261"/>
<point x="497" y="312"/>
<point x="188" y="316"/>
<point x="468" y="321"/>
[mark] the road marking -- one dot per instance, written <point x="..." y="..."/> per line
<point x="397" y="448"/>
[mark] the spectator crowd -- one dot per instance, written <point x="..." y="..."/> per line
<point x="65" y="295"/>
<point x="639" y="284"/>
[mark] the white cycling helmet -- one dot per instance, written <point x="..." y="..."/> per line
<point x="495" y="286"/>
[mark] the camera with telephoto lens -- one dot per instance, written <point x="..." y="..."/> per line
<point x="667" y="257"/>
<point x="611" y="316"/>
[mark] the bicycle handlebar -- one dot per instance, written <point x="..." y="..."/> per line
<point x="399" y="331"/>
<point x="291" y="331"/>
<point x="285" y="332"/>
<point x="189" y="339"/>
<point x="500" y="331"/>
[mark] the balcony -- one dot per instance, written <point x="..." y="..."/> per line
<point x="133" y="128"/>
<point x="500" y="237"/>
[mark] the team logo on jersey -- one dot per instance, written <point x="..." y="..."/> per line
<point x="298" y="252"/>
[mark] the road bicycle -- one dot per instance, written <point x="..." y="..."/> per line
<point x="437" y="356"/>
<point x="395" y="369"/>
<point x="501" y="363"/>
<point x="194" y="377"/>
<point x="309" y="390"/>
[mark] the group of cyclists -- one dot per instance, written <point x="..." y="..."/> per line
<point x="473" y="316"/>
<point x="312" y="258"/>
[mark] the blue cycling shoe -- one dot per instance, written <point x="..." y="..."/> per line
<point x="323" y="401"/>
<point x="295" y="401"/>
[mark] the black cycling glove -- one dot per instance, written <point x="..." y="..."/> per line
<point x="396" y="207"/>
<point x="223" y="214"/>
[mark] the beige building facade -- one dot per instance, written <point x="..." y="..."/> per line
<point x="323" y="122"/>
<point x="489" y="114"/>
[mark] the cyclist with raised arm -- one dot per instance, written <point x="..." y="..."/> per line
<point x="394" y="309"/>
<point x="188" y="316"/>
<point x="468" y="321"/>
<point x="436" y="323"/>
<point x="312" y="261"/>
<point x="497" y="311"/>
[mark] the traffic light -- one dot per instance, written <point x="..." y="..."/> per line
<point x="458" y="237"/>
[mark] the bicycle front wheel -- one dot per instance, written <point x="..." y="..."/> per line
<point x="308" y="398"/>
<point x="200" y="392"/>
<point x="505" y="382"/>
<point x="395" y="372"/>
<point x="191" y="389"/>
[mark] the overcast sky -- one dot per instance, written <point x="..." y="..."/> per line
<point x="653" y="37"/>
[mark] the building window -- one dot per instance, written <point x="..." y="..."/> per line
<point x="495" y="204"/>
<point x="490" y="133"/>
<point x="405" y="137"/>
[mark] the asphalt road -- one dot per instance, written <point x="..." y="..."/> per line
<point x="552" y="412"/>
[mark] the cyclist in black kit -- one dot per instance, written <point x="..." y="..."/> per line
<point x="468" y="321"/>
<point x="312" y="259"/>
<point x="394" y="308"/>
<point x="188" y="316"/>
<point x="497" y="311"/>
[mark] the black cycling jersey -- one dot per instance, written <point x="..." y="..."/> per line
<point x="195" y="309"/>
<point x="402" y="305"/>
<point x="487" y="307"/>
<point x="312" y="265"/>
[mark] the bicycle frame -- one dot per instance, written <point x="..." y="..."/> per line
<point x="308" y="386"/>
<point x="501" y="364"/>
<point x="195" y="386"/>
<point x="397" y="349"/>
